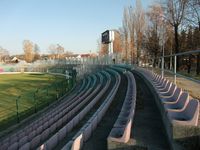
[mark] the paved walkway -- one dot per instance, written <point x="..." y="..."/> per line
<point x="148" y="129"/>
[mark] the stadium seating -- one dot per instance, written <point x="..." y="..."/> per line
<point x="122" y="128"/>
<point x="69" y="126"/>
<point x="176" y="102"/>
<point x="179" y="104"/>
<point x="189" y="116"/>
<point x="86" y="131"/>
<point x="36" y="127"/>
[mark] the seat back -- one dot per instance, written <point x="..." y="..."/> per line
<point x="192" y="108"/>
<point x="177" y="93"/>
<point x="172" y="89"/>
<point x="183" y="100"/>
<point x="168" y="85"/>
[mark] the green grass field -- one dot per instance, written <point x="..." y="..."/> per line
<point x="33" y="91"/>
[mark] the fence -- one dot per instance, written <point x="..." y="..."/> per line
<point x="35" y="101"/>
<point x="185" y="64"/>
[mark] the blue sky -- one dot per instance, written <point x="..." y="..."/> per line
<point x="75" y="24"/>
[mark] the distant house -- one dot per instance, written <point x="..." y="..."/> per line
<point x="85" y="55"/>
<point x="15" y="60"/>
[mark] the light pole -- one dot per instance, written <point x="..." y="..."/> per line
<point x="163" y="47"/>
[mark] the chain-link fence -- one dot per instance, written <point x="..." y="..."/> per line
<point x="24" y="105"/>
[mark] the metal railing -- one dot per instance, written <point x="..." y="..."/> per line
<point x="173" y="64"/>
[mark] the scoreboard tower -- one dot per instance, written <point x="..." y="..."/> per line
<point x="108" y="37"/>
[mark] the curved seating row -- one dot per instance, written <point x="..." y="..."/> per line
<point x="72" y="118"/>
<point x="179" y="107"/>
<point x="58" y="136"/>
<point x="49" y="120"/>
<point x="86" y="131"/>
<point x="122" y="128"/>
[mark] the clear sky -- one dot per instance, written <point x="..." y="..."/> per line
<point x="75" y="24"/>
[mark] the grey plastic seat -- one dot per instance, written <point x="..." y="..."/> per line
<point x="45" y="134"/>
<point x="68" y="146"/>
<point x="180" y="104"/>
<point x="35" y="142"/>
<point x="52" y="128"/>
<point x="165" y="89"/>
<point x="52" y="142"/>
<point x="59" y="123"/>
<point x="14" y="139"/>
<point x="31" y="135"/>
<point x="163" y="85"/>
<point x="77" y="142"/>
<point x="87" y="132"/>
<point x="121" y="135"/>
<point x="46" y="124"/>
<point x="39" y="129"/>
<point x="174" y="97"/>
<point x="14" y="146"/>
<point x="122" y="128"/>
<point x="61" y="133"/>
<point x="4" y="145"/>
<point x="189" y="116"/>
<point x="168" y="93"/>
<point x="69" y="126"/>
<point x="21" y="134"/>
<point x="25" y="147"/>
<point x="23" y="140"/>
<point x="159" y="81"/>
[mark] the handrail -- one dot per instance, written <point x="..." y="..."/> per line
<point x="182" y="53"/>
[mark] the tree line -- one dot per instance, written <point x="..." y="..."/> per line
<point x="168" y="27"/>
<point x="32" y="52"/>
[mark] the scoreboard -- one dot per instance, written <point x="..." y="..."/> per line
<point x="107" y="37"/>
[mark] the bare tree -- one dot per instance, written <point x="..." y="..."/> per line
<point x="4" y="54"/>
<point x="154" y="31"/>
<point x="56" y="50"/>
<point x="98" y="45"/>
<point x="125" y="30"/>
<point x="128" y="34"/>
<point x="36" y="52"/>
<point x="29" y="53"/>
<point x="175" y="12"/>
<point x="117" y="45"/>
<point x="139" y="20"/>
<point x="194" y="17"/>
<point x="103" y="50"/>
<point x="194" y="12"/>
<point x="60" y="50"/>
<point x="131" y="27"/>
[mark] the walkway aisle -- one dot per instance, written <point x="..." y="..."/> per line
<point x="147" y="130"/>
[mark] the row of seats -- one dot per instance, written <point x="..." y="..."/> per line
<point x="35" y="123"/>
<point x="177" y="103"/>
<point x="62" y="133"/>
<point x="122" y="128"/>
<point x="86" y="131"/>
<point x="32" y="129"/>
<point x="41" y="128"/>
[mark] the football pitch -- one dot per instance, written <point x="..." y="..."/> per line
<point x="24" y="93"/>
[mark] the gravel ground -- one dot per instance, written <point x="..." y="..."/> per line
<point x="148" y="129"/>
